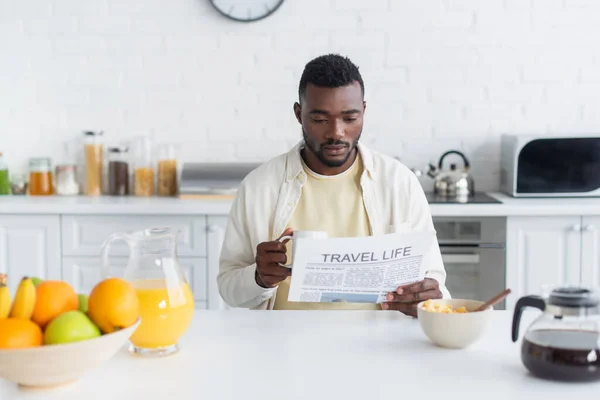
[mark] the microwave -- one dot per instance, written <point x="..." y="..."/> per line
<point x="550" y="165"/>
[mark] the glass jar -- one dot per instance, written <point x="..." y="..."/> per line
<point x="4" y="179"/>
<point x="167" y="170"/>
<point x="18" y="184"/>
<point x="143" y="178"/>
<point x="40" y="177"/>
<point x="118" y="171"/>
<point x="93" y="151"/>
<point x="66" y="180"/>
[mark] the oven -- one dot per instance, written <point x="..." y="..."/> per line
<point x="474" y="254"/>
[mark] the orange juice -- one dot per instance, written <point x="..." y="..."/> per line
<point x="166" y="312"/>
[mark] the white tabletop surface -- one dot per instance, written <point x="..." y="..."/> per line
<point x="318" y="355"/>
<point x="132" y="205"/>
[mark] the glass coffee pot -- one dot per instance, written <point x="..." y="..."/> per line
<point x="165" y="298"/>
<point x="563" y="343"/>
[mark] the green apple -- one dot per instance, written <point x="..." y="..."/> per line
<point x="69" y="327"/>
<point x="36" y="281"/>
<point x="83" y="302"/>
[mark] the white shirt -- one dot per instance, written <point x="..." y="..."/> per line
<point x="266" y="200"/>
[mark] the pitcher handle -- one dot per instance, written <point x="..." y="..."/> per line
<point x="105" y="267"/>
<point x="525" y="301"/>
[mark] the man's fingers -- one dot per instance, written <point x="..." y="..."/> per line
<point x="275" y="270"/>
<point x="421" y="286"/>
<point x="273" y="277"/>
<point x="414" y="297"/>
<point x="270" y="281"/>
<point x="405" y="308"/>
<point x="287" y="232"/>
<point x="269" y="256"/>
<point x="271" y="259"/>
<point x="278" y="271"/>
<point x="272" y="247"/>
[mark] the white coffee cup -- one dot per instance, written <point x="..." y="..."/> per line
<point x="302" y="234"/>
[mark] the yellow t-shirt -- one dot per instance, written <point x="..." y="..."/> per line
<point x="332" y="204"/>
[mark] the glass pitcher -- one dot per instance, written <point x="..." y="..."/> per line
<point x="165" y="297"/>
<point x="563" y="343"/>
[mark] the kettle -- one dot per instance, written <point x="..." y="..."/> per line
<point x="563" y="343"/>
<point x="455" y="182"/>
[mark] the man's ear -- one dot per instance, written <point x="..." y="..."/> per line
<point x="298" y="112"/>
<point x="364" y="106"/>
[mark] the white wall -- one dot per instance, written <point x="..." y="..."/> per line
<point x="439" y="74"/>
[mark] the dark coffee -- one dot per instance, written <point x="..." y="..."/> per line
<point x="118" y="178"/>
<point x="566" y="355"/>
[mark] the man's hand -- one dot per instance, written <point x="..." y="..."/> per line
<point x="406" y="298"/>
<point x="268" y="256"/>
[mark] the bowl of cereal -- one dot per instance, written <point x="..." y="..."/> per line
<point x="453" y="323"/>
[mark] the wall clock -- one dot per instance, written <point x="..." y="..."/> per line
<point x="246" y="10"/>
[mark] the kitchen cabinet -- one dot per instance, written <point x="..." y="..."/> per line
<point x="590" y="250"/>
<point x="554" y="250"/>
<point x="83" y="235"/>
<point x="69" y="247"/>
<point x="548" y="241"/>
<point x="29" y="245"/>
<point x="216" y="226"/>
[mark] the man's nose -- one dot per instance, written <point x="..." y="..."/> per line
<point x="335" y="131"/>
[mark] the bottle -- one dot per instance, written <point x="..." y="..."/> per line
<point x="40" y="177"/>
<point x="93" y="150"/>
<point x="167" y="171"/>
<point x="118" y="171"/>
<point x="4" y="179"/>
<point x="143" y="179"/>
<point x="66" y="180"/>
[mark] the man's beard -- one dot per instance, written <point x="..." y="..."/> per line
<point x="317" y="149"/>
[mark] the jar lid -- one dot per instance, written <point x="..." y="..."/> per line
<point x="573" y="297"/>
<point x="66" y="167"/>
<point x="118" y="149"/>
<point x="39" y="160"/>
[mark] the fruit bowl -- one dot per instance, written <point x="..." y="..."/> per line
<point x="58" y="364"/>
<point x="454" y="330"/>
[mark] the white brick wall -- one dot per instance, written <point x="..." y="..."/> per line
<point x="439" y="74"/>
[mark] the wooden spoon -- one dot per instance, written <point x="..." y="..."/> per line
<point x="496" y="299"/>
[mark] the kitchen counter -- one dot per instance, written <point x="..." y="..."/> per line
<point x="111" y="205"/>
<point x="174" y="206"/>
<point x="317" y="355"/>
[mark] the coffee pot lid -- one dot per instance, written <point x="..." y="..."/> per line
<point x="573" y="297"/>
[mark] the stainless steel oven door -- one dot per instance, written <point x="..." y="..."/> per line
<point x="475" y="272"/>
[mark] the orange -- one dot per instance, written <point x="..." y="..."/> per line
<point x="53" y="298"/>
<point x="17" y="333"/>
<point x="113" y="304"/>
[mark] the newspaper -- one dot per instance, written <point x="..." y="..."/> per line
<point x="356" y="270"/>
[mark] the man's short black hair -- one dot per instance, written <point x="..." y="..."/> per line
<point x="330" y="70"/>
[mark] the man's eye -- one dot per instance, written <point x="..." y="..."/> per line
<point x="320" y="121"/>
<point x="350" y="119"/>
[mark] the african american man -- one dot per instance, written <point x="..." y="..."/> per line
<point x="329" y="182"/>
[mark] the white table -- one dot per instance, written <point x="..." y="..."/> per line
<point x="317" y="355"/>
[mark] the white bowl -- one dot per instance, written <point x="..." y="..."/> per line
<point x="58" y="364"/>
<point x="455" y="331"/>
